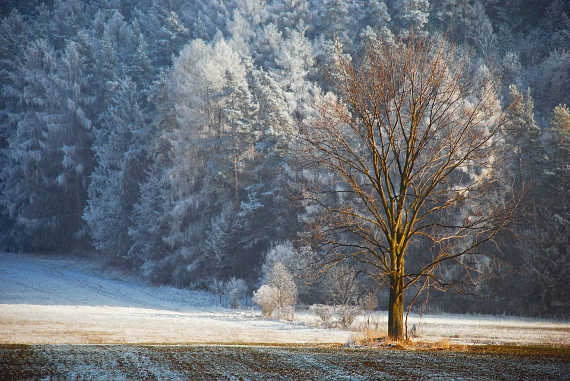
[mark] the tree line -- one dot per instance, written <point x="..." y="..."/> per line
<point x="162" y="136"/>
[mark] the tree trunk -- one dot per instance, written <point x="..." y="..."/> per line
<point x="396" y="309"/>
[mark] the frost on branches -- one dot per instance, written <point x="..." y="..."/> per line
<point x="279" y="295"/>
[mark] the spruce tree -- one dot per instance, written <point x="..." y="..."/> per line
<point x="121" y="162"/>
<point x="48" y="151"/>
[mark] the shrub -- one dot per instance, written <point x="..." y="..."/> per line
<point x="280" y="292"/>
<point x="218" y="288"/>
<point x="347" y="314"/>
<point x="266" y="298"/>
<point x="236" y="289"/>
<point x="282" y="282"/>
<point x="336" y="316"/>
<point x="324" y="312"/>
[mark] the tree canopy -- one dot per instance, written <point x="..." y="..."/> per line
<point x="407" y="150"/>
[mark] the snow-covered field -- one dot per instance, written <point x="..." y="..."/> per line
<point x="44" y="300"/>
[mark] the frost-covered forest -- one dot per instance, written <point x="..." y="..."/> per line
<point x="155" y="135"/>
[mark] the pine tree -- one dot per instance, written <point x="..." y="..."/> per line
<point x="43" y="26"/>
<point x="235" y="140"/>
<point x="208" y="17"/>
<point x="525" y="134"/>
<point x="121" y="163"/>
<point x="265" y="47"/>
<point x="76" y="120"/>
<point x="243" y="31"/>
<point x="220" y="260"/>
<point x="49" y="150"/>
<point x="116" y="28"/>
<point x="14" y="37"/>
<point x="292" y="66"/>
<point x="69" y="17"/>
<point x="141" y="70"/>
<point x="170" y="37"/>
<point x="552" y="81"/>
<point x="194" y="88"/>
<point x="374" y="14"/>
<point x="290" y="15"/>
<point x="105" y="68"/>
<point x="558" y="165"/>
<point x="268" y="216"/>
<point x="148" y="222"/>
<point x="412" y="13"/>
<point x="335" y="21"/>
<point x="547" y="268"/>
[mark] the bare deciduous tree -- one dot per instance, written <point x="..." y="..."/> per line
<point x="341" y="286"/>
<point x="404" y="163"/>
<point x="280" y="292"/>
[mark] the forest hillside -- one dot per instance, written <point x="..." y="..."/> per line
<point x="156" y="136"/>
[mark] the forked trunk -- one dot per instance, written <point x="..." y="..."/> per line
<point x="396" y="310"/>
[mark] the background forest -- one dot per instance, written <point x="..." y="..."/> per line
<point x="154" y="135"/>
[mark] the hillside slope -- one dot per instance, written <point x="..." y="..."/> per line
<point x="44" y="300"/>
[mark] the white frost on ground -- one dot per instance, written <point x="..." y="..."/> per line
<point x="44" y="300"/>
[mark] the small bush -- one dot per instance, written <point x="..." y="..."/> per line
<point x="441" y="344"/>
<point x="336" y="316"/>
<point x="218" y="288"/>
<point x="230" y="292"/>
<point x="266" y="298"/>
<point x="236" y="289"/>
<point x="287" y="313"/>
<point x="347" y="314"/>
<point x="280" y="292"/>
<point x="324" y="312"/>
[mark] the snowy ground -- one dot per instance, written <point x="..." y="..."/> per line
<point x="69" y="302"/>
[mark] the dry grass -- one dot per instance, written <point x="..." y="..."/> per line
<point x="370" y="338"/>
<point x="376" y="339"/>
<point x="441" y="345"/>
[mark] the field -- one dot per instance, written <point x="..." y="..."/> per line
<point x="66" y="320"/>
<point x="211" y="362"/>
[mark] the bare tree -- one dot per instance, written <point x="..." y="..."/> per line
<point x="341" y="286"/>
<point x="280" y="292"/>
<point x="404" y="162"/>
<point x="285" y="289"/>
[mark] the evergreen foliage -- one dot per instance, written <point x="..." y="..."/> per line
<point x="159" y="133"/>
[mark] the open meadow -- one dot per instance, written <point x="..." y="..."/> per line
<point x="52" y="312"/>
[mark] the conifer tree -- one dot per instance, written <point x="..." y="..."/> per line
<point x="171" y="36"/>
<point x="49" y="149"/>
<point x="121" y="164"/>
<point x="412" y="13"/>
<point x="141" y="70"/>
<point x="335" y="21"/>
<point x="148" y="223"/>
<point x="547" y="256"/>
<point x="105" y="68"/>
<point x="290" y="15"/>
<point x="374" y="14"/>
<point x="525" y="135"/>
<point x="13" y="40"/>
